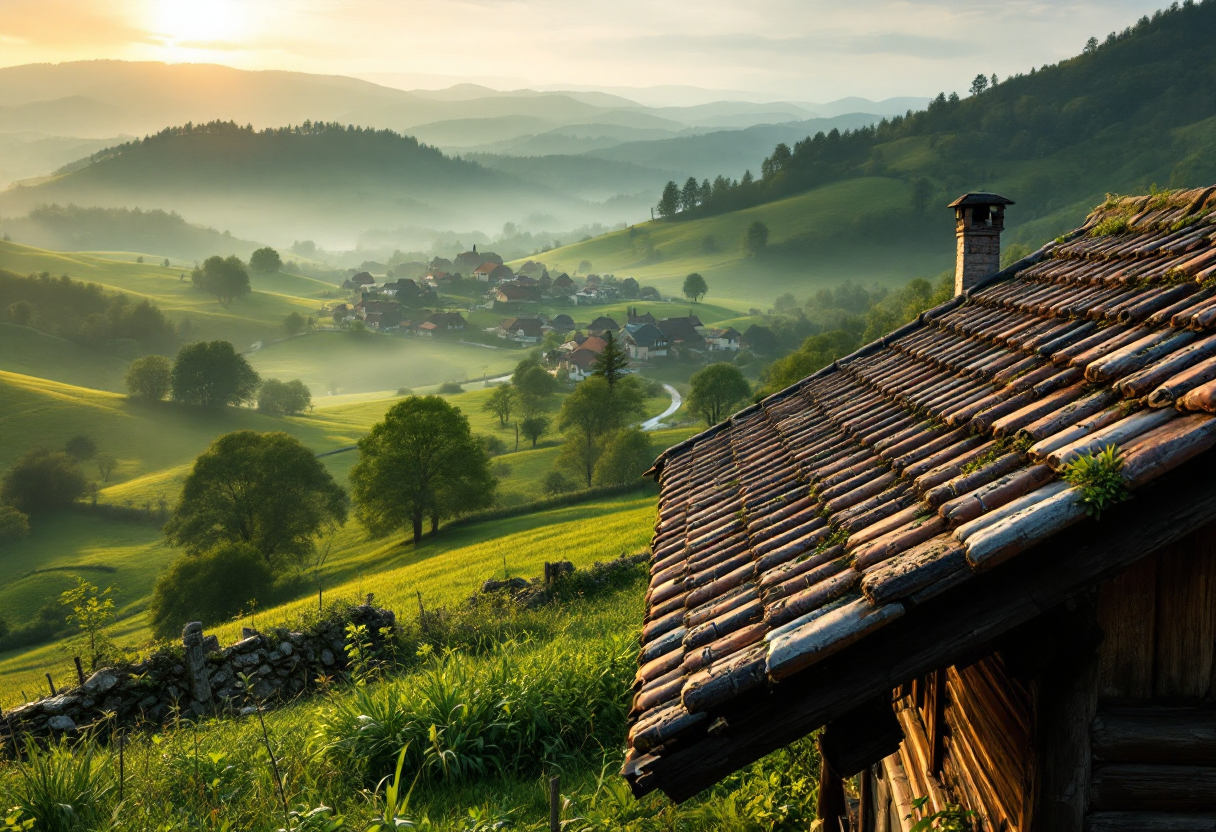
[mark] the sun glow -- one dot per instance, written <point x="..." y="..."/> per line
<point x="199" y="23"/>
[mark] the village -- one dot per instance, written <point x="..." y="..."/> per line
<point x="416" y="299"/>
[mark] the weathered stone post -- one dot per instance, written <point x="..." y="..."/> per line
<point x="196" y="662"/>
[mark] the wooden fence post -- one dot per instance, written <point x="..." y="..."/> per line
<point x="51" y="682"/>
<point x="79" y="670"/>
<point x="555" y="799"/>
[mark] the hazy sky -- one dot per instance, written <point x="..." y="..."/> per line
<point x="808" y="50"/>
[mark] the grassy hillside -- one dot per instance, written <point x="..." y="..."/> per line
<point x="445" y="569"/>
<point x="829" y="226"/>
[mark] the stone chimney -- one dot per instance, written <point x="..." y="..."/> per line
<point x="979" y="220"/>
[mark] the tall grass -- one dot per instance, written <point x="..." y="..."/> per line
<point x="64" y="787"/>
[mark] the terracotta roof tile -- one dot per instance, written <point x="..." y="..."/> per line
<point x="815" y="518"/>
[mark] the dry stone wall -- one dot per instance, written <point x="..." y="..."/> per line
<point x="200" y="677"/>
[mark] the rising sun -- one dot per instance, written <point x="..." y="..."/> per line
<point x="198" y="21"/>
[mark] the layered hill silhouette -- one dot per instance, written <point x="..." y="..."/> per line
<point x="319" y="181"/>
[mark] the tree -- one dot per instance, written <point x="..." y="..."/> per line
<point x="91" y="610"/>
<point x="669" y="202"/>
<point x="979" y="84"/>
<point x="690" y="194"/>
<point x="626" y="457"/>
<point x="21" y="313"/>
<point x="585" y="267"/>
<point x="610" y="364"/>
<point x="534" y="427"/>
<point x="1091" y="46"/>
<point x="42" y="480"/>
<point x="501" y="402"/>
<point x="422" y="460"/>
<point x="534" y="387"/>
<point x="80" y="447"/>
<point x="262" y="489"/>
<point x="265" y="261"/>
<point x="224" y="277"/>
<point x="695" y="287"/>
<point x="210" y="587"/>
<point x="554" y="483"/>
<point x="14" y="524"/>
<point x="716" y="390"/>
<point x="106" y="463"/>
<point x="150" y="378"/>
<point x="589" y="414"/>
<point x="212" y="374"/>
<point x="755" y="238"/>
<point x="284" y="398"/>
<point x="295" y="323"/>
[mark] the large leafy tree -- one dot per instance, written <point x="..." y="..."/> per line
<point x="627" y="455"/>
<point x="421" y="461"/>
<point x="265" y="261"/>
<point x="695" y="287"/>
<point x="265" y="490"/>
<point x="284" y="398"/>
<point x="150" y="378"/>
<point x="611" y="363"/>
<point x="224" y="277"/>
<point x="212" y="374"/>
<point x="589" y="415"/>
<point x="42" y="480"/>
<point x="716" y="390"/>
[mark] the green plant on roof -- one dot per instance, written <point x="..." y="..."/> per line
<point x="836" y="538"/>
<point x="953" y="818"/>
<point x="1112" y="225"/>
<point x="1023" y="443"/>
<point x="989" y="456"/>
<point x="1160" y="197"/>
<point x="1098" y="479"/>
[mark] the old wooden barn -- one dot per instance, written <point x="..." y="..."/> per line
<point x="902" y="550"/>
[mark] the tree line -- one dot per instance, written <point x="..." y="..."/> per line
<point x="84" y="313"/>
<point x="1145" y="80"/>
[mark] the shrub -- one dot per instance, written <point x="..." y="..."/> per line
<point x="81" y="447"/>
<point x="450" y="388"/>
<point x="42" y="480"/>
<point x="493" y="445"/>
<point x="555" y="483"/>
<point x="14" y="524"/>
<point x="210" y="587"/>
<point x="626" y="457"/>
<point x="149" y="378"/>
<point x="284" y="398"/>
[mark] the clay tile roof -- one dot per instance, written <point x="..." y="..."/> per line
<point x="806" y="524"/>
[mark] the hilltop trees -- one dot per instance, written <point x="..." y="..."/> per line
<point x="695" y="287"/>
<point x="264" y="490"/>
<point x="669" y="202"/>
<point x="421" y="461"/>
<point x="150" y="378"/>
<point x="265" y="261"/>
<point x="224" y="277"/>
<point x="212" y="374"/>
<point x="716" y="390"/>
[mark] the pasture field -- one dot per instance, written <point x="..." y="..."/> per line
<point x="817" y="225"/>
<point x="445" y="569"/>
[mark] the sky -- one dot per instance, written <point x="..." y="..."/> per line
<point x="800" y="50"/>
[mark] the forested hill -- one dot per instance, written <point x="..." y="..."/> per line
<point x="1134" y="110"/>
<point x="314" y="180"/>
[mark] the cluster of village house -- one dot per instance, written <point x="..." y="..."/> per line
<point x="400" y="304"/>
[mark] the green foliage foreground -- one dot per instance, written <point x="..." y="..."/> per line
<point x="493" y="700"/>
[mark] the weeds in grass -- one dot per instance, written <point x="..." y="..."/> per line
<point x="64" y="787"/>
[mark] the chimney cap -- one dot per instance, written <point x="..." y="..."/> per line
<point x="981" y="198"/>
